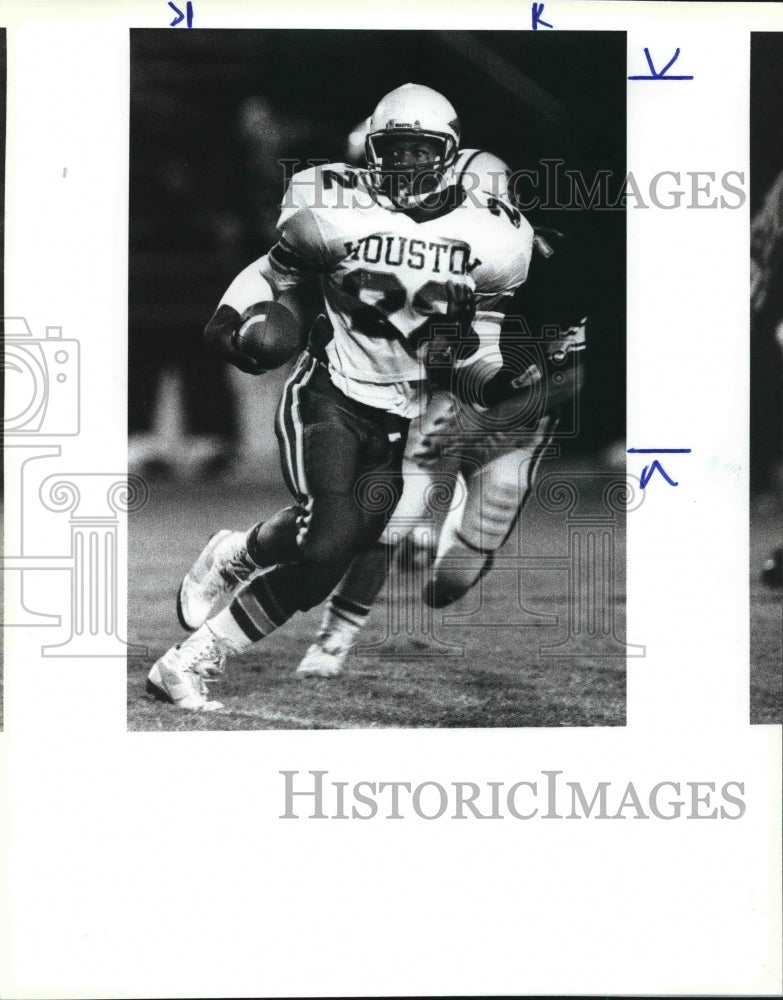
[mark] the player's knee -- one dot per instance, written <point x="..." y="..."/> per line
<point x="323" y="550"/>
<point x="334" y="531"/>
<point x="327" y="548"/>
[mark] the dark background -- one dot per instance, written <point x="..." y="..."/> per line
<point x="212" y="111"/>
<point x="766" y="389"/>
<point x="766" y="118"/>
<point x="766" y="163"/>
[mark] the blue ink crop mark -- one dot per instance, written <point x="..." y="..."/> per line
<point x="648" y="470"/>
<point x="537" y="11"/>
<point x="180" y="16"/>
<point x="660" y="74"/>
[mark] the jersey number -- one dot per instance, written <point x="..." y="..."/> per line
<point x="379" y="294"/>
<point x="496" y="206"/>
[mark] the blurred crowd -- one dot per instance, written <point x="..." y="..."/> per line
<point x="199" y="217"/>
<point x="189" y="413"/>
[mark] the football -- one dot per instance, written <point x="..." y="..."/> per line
<point x="269" y="335"/>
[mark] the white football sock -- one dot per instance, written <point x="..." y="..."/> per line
<point x="225" y="626"/>
<point x="342" y="620"/>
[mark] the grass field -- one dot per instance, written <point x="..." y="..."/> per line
<point x="477" y="664"/>
<point x="766" y="618"/>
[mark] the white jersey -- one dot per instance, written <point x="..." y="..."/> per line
<point x="383" y="272"/>
<point x="478" y="170"/>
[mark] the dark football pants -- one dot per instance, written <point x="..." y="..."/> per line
<point x="342" y="462"/>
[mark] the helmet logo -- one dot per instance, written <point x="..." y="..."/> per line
<point x="392" y="125"/>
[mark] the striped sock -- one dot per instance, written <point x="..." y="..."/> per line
<point x="343" y="619"/>
<point x="253" y="613"/>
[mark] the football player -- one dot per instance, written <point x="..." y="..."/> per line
<point x="413" y="274"/>
<point x="489" y="452"/>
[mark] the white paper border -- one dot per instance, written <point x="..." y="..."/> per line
<point x="155" y="864"/>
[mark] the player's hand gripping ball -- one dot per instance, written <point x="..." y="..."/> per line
<point x="452" y="338"/>
<point x="268" y="335"/>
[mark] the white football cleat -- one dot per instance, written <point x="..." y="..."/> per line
<point x="325" y="658"/>
<point x="180" y="675"/>
<point x="222" y="568"/>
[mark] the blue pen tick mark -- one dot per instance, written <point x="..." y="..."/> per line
<point x="648" y="470"/>
<point x="537" y="10"/>
<point x="180" y="16"/>
<point x="660" y="74"/>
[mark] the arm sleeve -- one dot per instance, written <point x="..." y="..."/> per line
<point x="302" y="250"/>
<point x="504" y="270"/>
<point x="507" y="266"/>
<point x="249" y="287"/>
<point x="293" y="261"/>
<point x="497" y="278"/>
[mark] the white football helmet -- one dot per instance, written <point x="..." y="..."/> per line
<point x="417" y="114"/>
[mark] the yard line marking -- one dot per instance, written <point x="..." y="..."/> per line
<point x="271" y="715"/>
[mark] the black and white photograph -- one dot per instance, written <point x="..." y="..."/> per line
<point x="377" y="379"/>
<point x="391" y="540"/>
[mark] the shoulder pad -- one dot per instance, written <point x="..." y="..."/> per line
<point x="501" y="208"/>
<point x="506" y="247"/>
<point x="322" y="186"/>
<point x="478" y="170"/>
